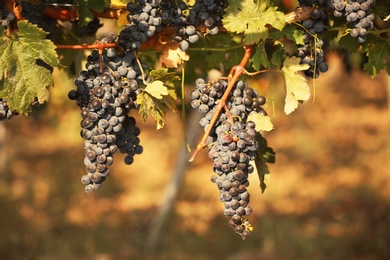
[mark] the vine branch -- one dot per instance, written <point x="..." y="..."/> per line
<point x="98" y="45"/>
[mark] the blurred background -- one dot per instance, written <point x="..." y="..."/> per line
<point x="327" y="197"/>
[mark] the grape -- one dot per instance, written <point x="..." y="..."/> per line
<point x="308" y="23"/>
<point x="193" y="38"/>
<point x="323" y="67"/>
<point x="352" y="17"/>
<point x="5" y="112"/>
<point x="354" y="32"/>
<point x="184" y="45"/>
<point x="190" y="30"/>
<point x="203" y="108"/>
<point x="214" y="30"/>
<point x="318" y="27"/>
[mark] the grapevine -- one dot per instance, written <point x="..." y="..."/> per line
<point x="116" y="81"/>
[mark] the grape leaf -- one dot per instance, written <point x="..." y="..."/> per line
<point x="262" y="122"/>
<point x="276" y="34"/>
<point x="118" y="4"/>
<point x="278" y="56"/>
<point x="260" y="57"/>
<point x="250" y="18"/>
<point x="157" y="89"/>
<point x="296" y="85"/>
<point x="122" y="19"/>
<point x="292" y="32"/>
<point x="265" y="154"/>
<point x="163" y="75"/>
<point x="21" y="78"/>
<point x="158" y="97"/>
<point x="229" y="58"/>
<point x="349" y="43"/>
<point x="86" y="8"/>
<point x="378" y="54"/>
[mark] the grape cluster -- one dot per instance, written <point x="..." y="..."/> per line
<point x="204" y="12"/>
<point x="6" y="16"/>
<point x="357" y="12"/>
<point x="105" y="96"/>
<point x="88" y="29"/>
<point x="234" y="149"/>
<point x="144" y="21"/>
<point x="232" y="143"/>
<point x="5" y="112"/>
<point x="146" y="17"/>
<point x="312" y="52"/>
<point x="210" y="13"/>
<point x="34" y="13"/>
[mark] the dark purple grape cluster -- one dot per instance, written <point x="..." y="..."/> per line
<point x="5" y="112"/>
<point x="89" y="29"/>
<point x="231" y="153"/>
<point x="106" y="92"/>
<point x="312" y="52"/>
<point x="210" y="13"/>
<point x="232" y="143"/>
<point x="357" y="12"/>
<point x="34" y="13"/>
<point x="144" y="21"/>
<point x="6" y="17"/>
<point x="146" y="17"/>
<point x="206" y="12"/>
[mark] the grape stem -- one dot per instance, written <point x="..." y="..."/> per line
<point x="98" y="45"/>
<point x="234" y="74"/>
<point x="140" y="67"/>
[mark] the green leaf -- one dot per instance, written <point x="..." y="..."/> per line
<point x="276" y="34"/>
<point x="349" y="43"/>
<point x="87" y="6"/>
<point x="296" y="85"/>
<point x="262" y="122"/>
<point x="260" y="57"/>
<point x="21" y="78"/>
<point x="293" y="33"/>
<point x="250" y="18"/>
<point x="265" y="154"/>
<point x="278" y="56"/>
<point x="378" y="54"/>
<point x="229" y="58"/>
<point x="163" y="75"/>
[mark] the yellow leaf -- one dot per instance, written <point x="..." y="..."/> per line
<point x="262" y="122"/>
<point x="297" y="88"/>
<point x="122" y="19"/>
<point x="118" y="4"/>
<point x="157" y="89"/>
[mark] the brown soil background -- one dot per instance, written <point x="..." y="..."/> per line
<point x="328" y="194"/>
